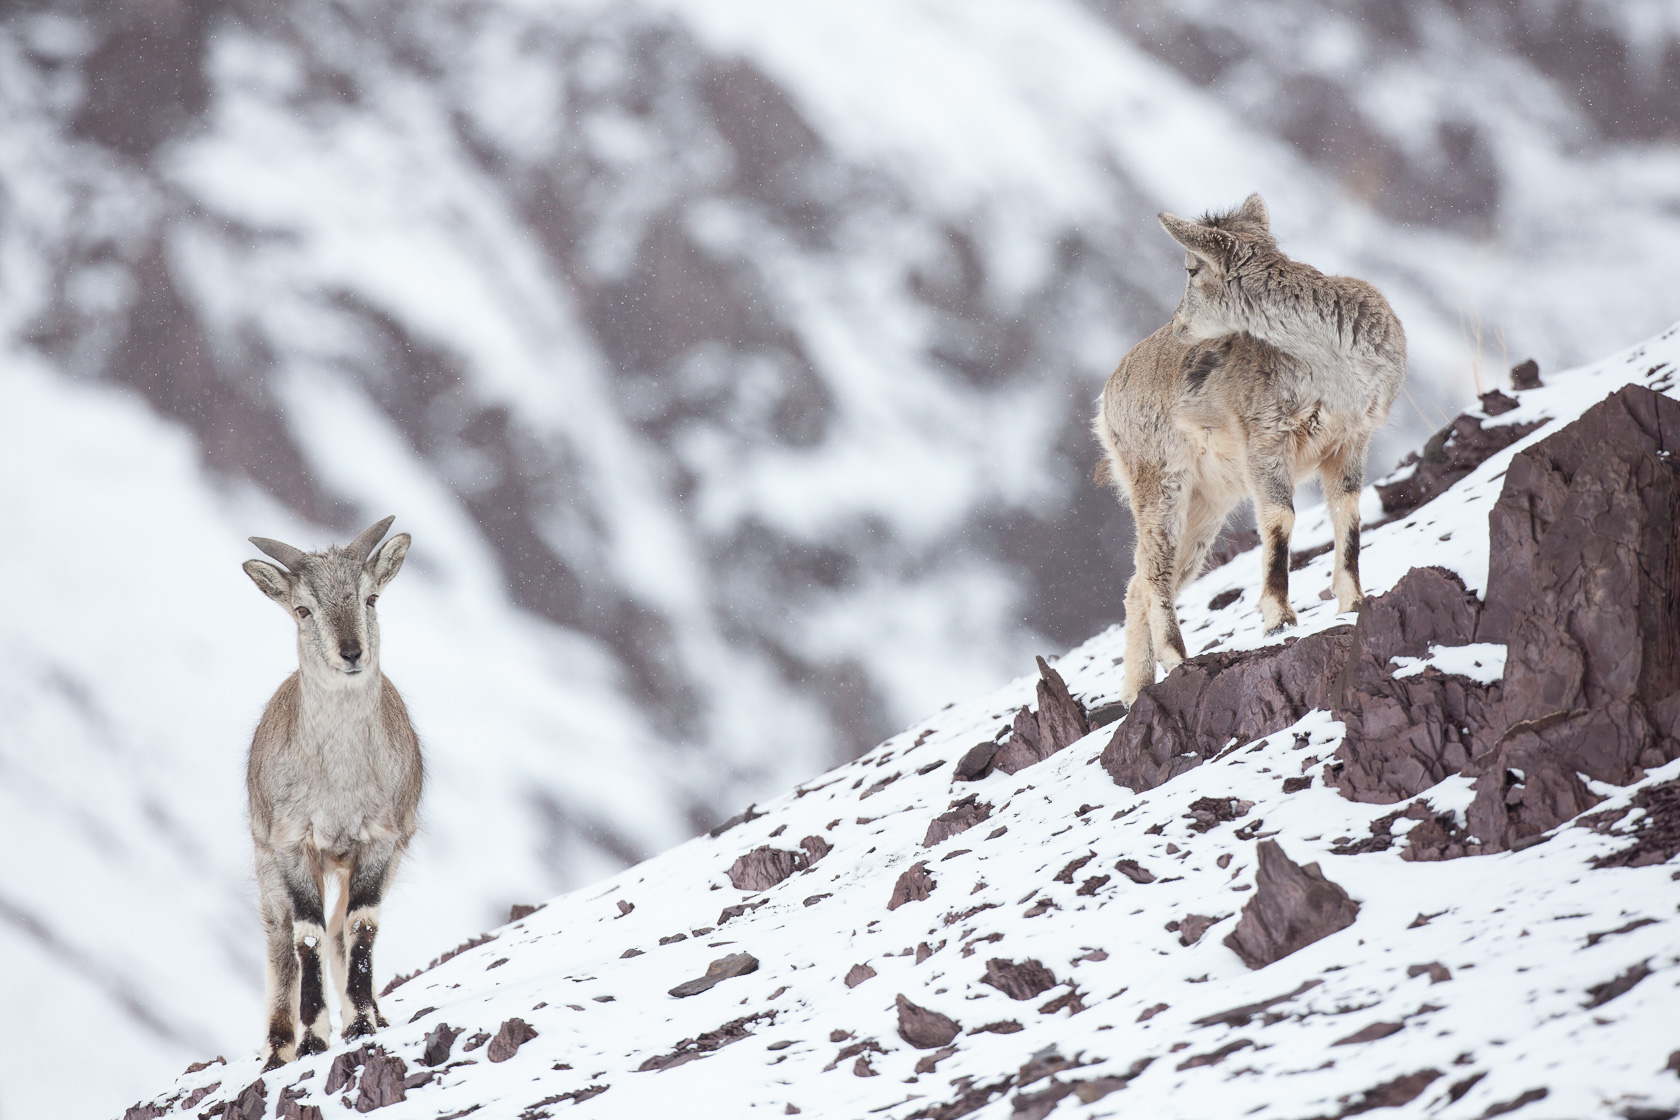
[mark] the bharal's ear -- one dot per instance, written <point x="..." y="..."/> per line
<point x="1213" y="245"/>
<point x="271" y="581"/>
<point x="388" y="561"/>
<point x="1254" y="210"/>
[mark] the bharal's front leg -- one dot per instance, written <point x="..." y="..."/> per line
<point x="374" y="866"/>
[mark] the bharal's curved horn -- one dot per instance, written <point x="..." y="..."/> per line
<point x="363" y="545"/>
<point x="284" y="553"/>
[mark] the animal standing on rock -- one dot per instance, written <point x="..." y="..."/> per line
<point x="334" y="781"/>
<point x="1269" y="371"/>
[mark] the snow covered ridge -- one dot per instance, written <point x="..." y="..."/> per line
<point x="1266" y="924"/>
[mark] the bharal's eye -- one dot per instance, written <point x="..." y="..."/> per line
<point x="370" y="599"/>
<point x="302" y="612"/>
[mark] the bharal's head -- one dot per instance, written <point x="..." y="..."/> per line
<point x="331" y="596"/>
<point x="1218" y="250"/>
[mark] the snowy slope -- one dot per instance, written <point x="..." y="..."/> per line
<point x="1465" y="988"/>
<point x="731" y="363"/>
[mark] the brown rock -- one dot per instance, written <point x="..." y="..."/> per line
<point x="1018" y="981"/>
<point x="1037" y="1105"/>
<point x="1240" y="1016"/>
<point x="1438" y="972"/>
<point x="1003" y="1026"/>
<point x="1656" y="833"/>
<point x="1525" y="375"/>
<point x="512" y="1034"/>
<point x="858" y="974"/>
<point x="742" y="817"/>
<point x="1216" y="697"/>
<point x="976" y="763"/>
<point x="249" y="1104"/>
<point x="1207" y="813"/>
<point x="1214" y="1057"/>
<point x="438" y="1044"/>
<point x="290" y="1107"/>
<point x="764" y="867"/>
<point x="815" y="848"/>
<point x="724" y="968"/>
<point x="1405" y="735"/>
<point x="929" y="1063"/>
<point x="342" y="1073"/>
<point x="962" y="815"/>
<point x="689" y="1049"/>
<point x="1521" y="1099"/>
<point x="729" y="913"/>
<point x="1190" y="930"/>
<point x="1035" y="736"/>
<point x="144" y="1112"/>
<point x="1370" y="1033"/>
<point x="1600" y="994"/>
<point x="913" y="885"/>
<point x="1065" y="875"/>
<point x="520" y="910"/>
<point x="383" y="1074"/>
<point x="1391" y="1094"/>
<point x="1586" y="531"/>
<point x="924" y="1029"/>
<point x="1449" y="455"/>
<point x="1292" y="907"/>
<point x="1131" y="870"/>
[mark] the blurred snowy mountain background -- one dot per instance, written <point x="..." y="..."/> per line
<point x="730" y="361"/>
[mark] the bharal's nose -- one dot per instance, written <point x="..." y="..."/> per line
<point x="351" y="650"/>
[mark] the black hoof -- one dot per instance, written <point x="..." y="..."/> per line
<point x="381" y="1020"/>
<point x="360" y="1028"/>
<point x="274" y="1062"/>
<point x="311" y="1044"/>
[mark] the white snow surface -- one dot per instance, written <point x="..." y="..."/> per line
<point x="1515" y="932"/>
<point x="1483" y="662"/>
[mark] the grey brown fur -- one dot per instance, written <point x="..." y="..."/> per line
<point x="334" y="782"/>
<point x="1270" y="371"/>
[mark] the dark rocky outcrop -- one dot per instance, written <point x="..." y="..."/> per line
<point x="1450" y="454"/>
<point x="1018" y="981"/>
<point x="962" y="815"/>
<point x="763" y="867"/>
<point x="383" y="1076"/>
<point x="924" y="1029"/>
<point x="512" y="1034"/>
<point x="690" y="1049"/>
<point x="724" y="968"/>
<point x="1585" y="594"/>
<point x="1216" y="698"/>
<point x="1036" y="735"/>
<point x="1405" y="735"/>
<point x="438" y="1044"/>
<point x="913" y="885"/>
<point x="1293" y="906"/>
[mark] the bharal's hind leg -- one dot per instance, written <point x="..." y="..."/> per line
<point x="374" y="866"/>
<point x="1342" y="473"/>
<point x="1157" y="510"/>
<point x="1274" y="510"/>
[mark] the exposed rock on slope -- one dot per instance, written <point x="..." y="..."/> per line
<point x="1011" y="975"/>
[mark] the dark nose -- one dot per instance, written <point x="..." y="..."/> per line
<point x="351" y="650"/>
